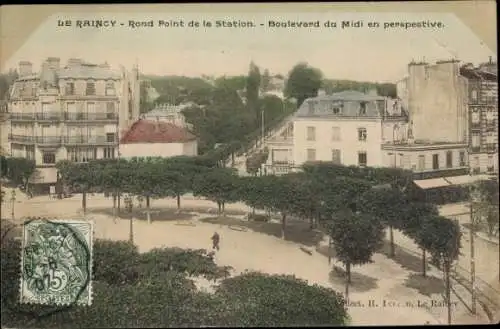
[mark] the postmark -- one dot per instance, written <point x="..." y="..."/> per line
<point x="56" y="262"/>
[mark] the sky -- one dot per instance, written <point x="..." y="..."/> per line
<point x="363" y="54"/>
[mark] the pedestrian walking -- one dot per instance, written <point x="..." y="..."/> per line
<point x="215" y="241"/>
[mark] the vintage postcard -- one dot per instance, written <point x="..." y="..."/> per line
<point x="246" y="165"/>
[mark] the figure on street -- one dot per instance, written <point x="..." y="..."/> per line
<point x="215" y="241"/>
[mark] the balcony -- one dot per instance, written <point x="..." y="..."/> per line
<point x="85" y="117"/>
<point x="475" y="125"/>
<point x="491" y="148"/>
<point x="48" y="141"/>
<point x="90" y="140"/>
<point x="22" y="117"/>
<point x="491" y="123"/>
<point x="49" y="116"/>
<point x="22" y="139"/>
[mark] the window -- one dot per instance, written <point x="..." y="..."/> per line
<point x="109" y="153"/>
<point x="71" y="107"/>
<point x="392" y="159"/>
<point x="110" y="137"/>
<point x="49" y="158"/>
<point x="336" y="134"/>
<point x="476" y="139"/>
<point x="336" y="156"/>
<point x="490" y="138"/>
<point x="475" y="116"/>
<point x="310" y="106"/>
<point x="110" y="88"/>
<point x="362" y="134"/>
<point x="476" y="162"/>
<point x="70" y="88"/>
<point x="84" y="154"/>
<point x="90" y="108"/>
<point x="490" y="116"/>
<point x="362" y="159"/>
<point x="311" y="133"/>
<point x="362" y="108"/>
<point x="491" y="163"/>
<point x="90" y="89"/>
<point x="462" y="159"/>
<point x="401" y="160"/>
<point x="449" y="159"/>
<point x="474" y="95"/>
<point x="435" y="161"/>
<point x="311" y="155"/>
<point x="110" y="110"/>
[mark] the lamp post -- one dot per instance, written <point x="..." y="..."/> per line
<point x="262" y="126"/>
<point x="474" y="196"/>
<point x="396" y="126"/>
<point x="13" y="200"/>
<point x="128" y="205"/>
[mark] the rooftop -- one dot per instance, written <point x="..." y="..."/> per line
<point x="150" y="131"/>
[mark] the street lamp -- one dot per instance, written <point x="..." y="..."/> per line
<point x="13" y="200"/>
<point x="394" y="128"/>
<point x="128" y="205"/>
<point x="474" y="197"/>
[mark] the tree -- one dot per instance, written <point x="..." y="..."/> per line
<point x="255" y="161"/>
<point x="388" y="206"/>
<point x="219" y="185"/>
<point x="265" y="82"/>
<point x="20" y="170"/>
<point x="262" y="300"/>
<point x="81" y="177"/>
<point x="303" y="82"/>
<point x="355" y="237"/>
<point x="486" y="205"/>
<point x="252" y="91"/>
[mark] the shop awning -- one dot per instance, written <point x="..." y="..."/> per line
<point x="466" y="179"/>
<point x="431" y="183"/>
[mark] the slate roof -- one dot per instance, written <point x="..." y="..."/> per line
<point x="152" y="131"/>
<point x="88" y="71"/>
<point x="349" y="99"/>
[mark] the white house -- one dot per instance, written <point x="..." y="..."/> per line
<point x="148" y="138"/>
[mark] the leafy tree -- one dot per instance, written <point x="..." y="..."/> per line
<point x="252" y="91"/>
<point x="486" y="204"/>
<point x="255" y="161"/>
<point x="257" y="300"/>
<point x="3" y="166"/>
<point x="303" y="82"/>
<point x="355" y="237"/>
<point x="231" y="82"/>
<point x="20" y="170"/>
<point x="219" y="185"/>
<point x="388" y="206"/>
<point x="265" y="82"/>
<point x="81" y="177"/>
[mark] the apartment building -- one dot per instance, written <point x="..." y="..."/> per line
<point x="483" y="116"/>
<point x="346" y="128"/>
<point x="77" y="112"/>
<point x="436" y="142"/>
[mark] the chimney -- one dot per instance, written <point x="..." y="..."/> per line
<point x="25" y="68"/>
<point x="490" y="59"/>
<point x="54" y="63"/>
<point x="74" y="62"/>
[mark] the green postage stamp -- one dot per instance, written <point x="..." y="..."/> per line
<point x="56" y="262"/>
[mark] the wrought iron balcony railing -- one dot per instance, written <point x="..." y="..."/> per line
<point x="49" y="140"/>
<point x="89" y="140"/>
<point x="22" y="116"/>
<point x="49" y="116"/>
<point x="21" y="138"/>
<point x="81" y="116"/>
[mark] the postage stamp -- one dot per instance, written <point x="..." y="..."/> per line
<point x="56" y="262"/>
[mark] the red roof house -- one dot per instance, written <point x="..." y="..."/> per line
<point x="157" y="138"/>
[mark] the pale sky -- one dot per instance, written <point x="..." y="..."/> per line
<point x="363" y="54"/>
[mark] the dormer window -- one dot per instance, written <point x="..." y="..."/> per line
<point x="90" y="90"/>
<point x="336" y="108"/>
<point x="70" y="88"/>
<point x="362" y="108"/>
<point x="110" y="88"/>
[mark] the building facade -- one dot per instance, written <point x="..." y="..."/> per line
<point x="151" y="138"/>
<point x="77" y="112"/>
<point x="346" y="128"/>
<point x="483" y="117"/>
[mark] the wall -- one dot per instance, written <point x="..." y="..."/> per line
<point x="348" y="144"/>
<point x="409" y="158"/>
<point x="151" y="150"/>
<point x="389" y="133"/>
<point x="190" y="148"/>
<point x="437" y="97"/>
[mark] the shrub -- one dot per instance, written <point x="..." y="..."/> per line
<point x="115" y="262"/>
<point x="257" y="299"/>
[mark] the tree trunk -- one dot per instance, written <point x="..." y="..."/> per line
<point x="178" y="201"/>
<point x="283" y="226"/>
<point x="84" y="201"/>
<point x="148" y="209"/>
<point x="119" y="197"/>
<point x="391" y="233"/>
<point x="232" y="159"/>
<point x="131" y="229"/>
<point x="223" y="208"/>
<point x="446" y="268"/>
<point x="424" y="263"/>
<point x="347" y="279"/>
<point x="114" y="205"/>
<point x="253" y="211"/>
<point x="218" y="208"/>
